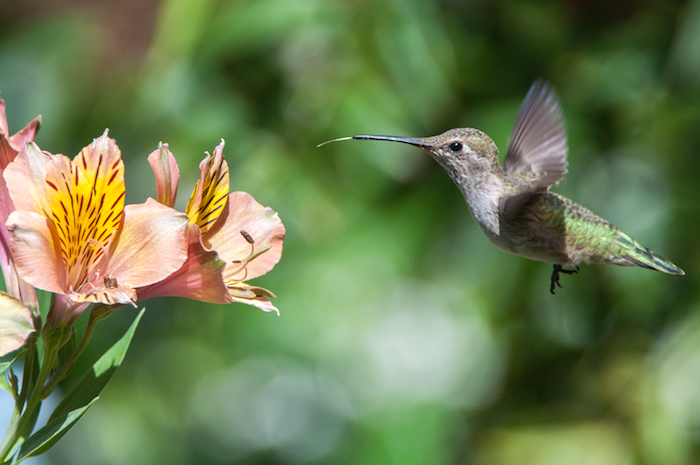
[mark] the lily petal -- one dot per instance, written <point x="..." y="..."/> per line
<point x="199" y="278"/>
<point x="86" y="198"/>
<point x="102" y="164"/>
<point x="109" y="296"/>
<point x="244" y="220"/>
<point x="9" y="148"/>
<point x="260" y="302"/>
<point x="3" y="118"/>
<point x="26" y="180"/>
<point x="20" y="139"/>
<point x="15" y="323"/>
<point x="151" y="246"/>
<point x="35" y="253"/>
<point x="209" y="197"/>
<point x="167" y="174"/>
<point x="65" y="310"/>
<point x="26" y="135"/>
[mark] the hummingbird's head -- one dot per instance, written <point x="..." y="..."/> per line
<point x="461" y="151"/>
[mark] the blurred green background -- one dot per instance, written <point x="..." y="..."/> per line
<point x="405" y="337"/>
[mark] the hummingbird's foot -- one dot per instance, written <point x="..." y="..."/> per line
<point x="555" y="276"/>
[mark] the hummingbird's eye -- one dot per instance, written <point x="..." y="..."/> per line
<point x="455" y="147"/>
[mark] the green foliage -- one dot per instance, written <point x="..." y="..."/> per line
<point x="79" y="399"/>
<point x="74" y="403"/>
<point x="46" y="437"/>
<point x="94" y="381"/>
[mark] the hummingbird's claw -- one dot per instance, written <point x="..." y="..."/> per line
<point x="555" y="276"/>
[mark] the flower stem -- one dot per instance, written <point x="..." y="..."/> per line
<point x="98" y="313"/>
<point x="20" y="397"/>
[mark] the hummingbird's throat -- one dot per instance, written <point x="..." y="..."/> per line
<point x="482" y="194"/>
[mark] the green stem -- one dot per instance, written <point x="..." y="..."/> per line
<point x="9" y="435"/>
<point x="98" y="313"/>
<point x="20" y="398"/>
<point x="31" y="362"/>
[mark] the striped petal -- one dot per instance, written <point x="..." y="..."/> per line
<point x="148" y="249"/>
<point x="110" y="294"/>
<point x="209" y="197"/>
<point x="86" y="198"/>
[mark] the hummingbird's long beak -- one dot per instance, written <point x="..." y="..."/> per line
<point x="405" y="140"/>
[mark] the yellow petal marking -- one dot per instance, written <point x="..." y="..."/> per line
<point x="211" y="193"/>
<point x="87" y="200"/>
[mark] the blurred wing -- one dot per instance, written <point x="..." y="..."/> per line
<point x="538" y="145"/>
<point x="537" y="152"/>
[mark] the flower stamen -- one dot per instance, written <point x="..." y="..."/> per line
<point x="251" y="256"/>
<point x="110" y="283"/>
<point x="99" y="266"/>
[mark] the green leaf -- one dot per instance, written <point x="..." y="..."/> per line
<point x="5" y="384"/>
<point x="92" y="383"/>
<point x="6" y="361"/>
<point x="46" y="437"/>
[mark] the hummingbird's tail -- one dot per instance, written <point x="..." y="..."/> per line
<point x="641" y="256"/>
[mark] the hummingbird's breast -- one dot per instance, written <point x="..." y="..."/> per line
<point x="544" y="226"/>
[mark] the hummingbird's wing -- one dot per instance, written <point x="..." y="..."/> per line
<point x="538" y="148"/>
<point x="538" y="144"/>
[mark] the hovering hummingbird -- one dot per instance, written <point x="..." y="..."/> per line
<point x="512" y="203"/>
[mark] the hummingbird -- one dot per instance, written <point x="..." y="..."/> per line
<point x="512" y="202"/>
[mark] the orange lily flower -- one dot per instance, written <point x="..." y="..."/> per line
<point x="232" y="237"/>
<point x="72" y="235"/>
